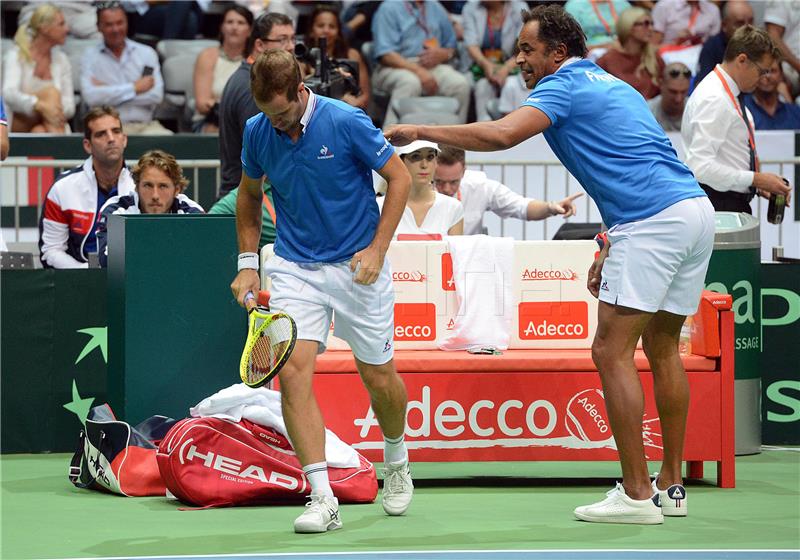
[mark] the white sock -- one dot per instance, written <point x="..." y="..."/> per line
<point x="394" y="450"/>
<point x="317" y="474"/>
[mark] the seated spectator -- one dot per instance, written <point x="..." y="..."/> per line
<point x="68" y="222"/>
<point x="357" y="18"/>
<point x="215" y="65"/>
<point x="171" y="19"/>
<point x="635" y="59"/>
<point x="668" y="107"/>
<point x="769" y="111"/>
<point x="123" y="73"/>
<point x="479" y="194"/>
<point x="684" y="22"/>
<point x="414" y="41"/>
<point x="270" y="31"/>
<point x="227" y="206"/>
<point x="513" y="94"/>
<point x="490" y="35"/>
<point x="159" y="188"/>
<point x="735" y="14"/>
<point x="782" y="20"/>
<point x="426" y="211"/>
<point x="37" y="78"/>
<point x="325" y="23"/>
<point x="598" y="18"/>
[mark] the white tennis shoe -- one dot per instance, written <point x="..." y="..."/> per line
<point x="397" y="488"/>
<point x="321" y="515"/>
<point x="672" y="500"/>
<point x="619" y="508"/>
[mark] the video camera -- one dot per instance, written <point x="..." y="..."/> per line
<point x="333" y="77"/>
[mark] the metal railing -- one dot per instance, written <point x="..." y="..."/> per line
<point x="525" y="188"/>
<point x="64" y="164"/>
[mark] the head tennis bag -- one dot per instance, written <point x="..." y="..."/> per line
<point x="118" y="458"/>
<point x="211" y="462"/>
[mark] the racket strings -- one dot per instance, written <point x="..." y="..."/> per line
<point x="269" y="348"/>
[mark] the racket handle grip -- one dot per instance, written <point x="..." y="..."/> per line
<point x="263" y="298"/>
<point x="249" y="301"/>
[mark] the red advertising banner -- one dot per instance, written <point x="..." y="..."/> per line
<point x="553" y="416"/>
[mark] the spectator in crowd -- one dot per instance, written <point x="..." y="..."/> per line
<point x="4" y="144"/>
<point x="270" y="31"/>
<point x="159" y="189"/>
<point x="635" y="60"/>
<point x="768" y="110"/>
<point x="227" y="206"/>
<point x="357" y="18"/>
<point x="479" y="194"/>
<point x="782" y="20"/>
<point x="68" y="223"/>
<point x="490" y="35"/>
<point x="717" y="131"/>
<point x="684" y="22"/>
<point x="123" y="73"/>
<point x="598" y="18"/>
<point x="171" y="19"/>
<point x="426" y="210"/>
<point x="215" y="65"/>
<point x="513" y="94"/>
<point x="414" y="41"/>
<point x="37" y="78"/>
<point x="735" y="14"/>
<point x="81" y="17"/>
<point x="668" y="107"/>
<point x="325" y="23"/>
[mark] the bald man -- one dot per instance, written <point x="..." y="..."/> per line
<point x="735" y="14"/>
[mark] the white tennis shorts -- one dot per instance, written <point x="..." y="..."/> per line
<point x="313" y="293"/>
<point x="660" y="263"/>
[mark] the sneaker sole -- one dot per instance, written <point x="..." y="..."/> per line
<point x="629" y="519"/>
<point x="395" y="513"/>
<point x="332" y="526"/>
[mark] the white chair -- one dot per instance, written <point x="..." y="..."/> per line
<point x="168" y="48"/>
<point x="178" y="74"/>
<point x="429" y="117"/>
<point x="430" y="104"/>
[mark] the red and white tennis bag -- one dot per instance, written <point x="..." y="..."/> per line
<point x="211" y="462"/>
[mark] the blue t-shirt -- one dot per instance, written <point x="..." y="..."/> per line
<point x="786" y="117"/>
<point x="605" y="135"/>
<point x="322" y="185"/>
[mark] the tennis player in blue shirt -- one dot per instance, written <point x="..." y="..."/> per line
<point x="330" y="244"/>
<point x="650" y="272"/>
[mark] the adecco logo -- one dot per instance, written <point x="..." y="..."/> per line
<point x="414" y="321"/>
<point x="448" y="284"/>
<point x="553" y="320"/>
<point x="408" y="276"/>
<point x="537" y="274"/>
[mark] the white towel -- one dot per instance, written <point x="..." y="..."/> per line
<point x="482" y="274"/>
<point x="263" y="406"/>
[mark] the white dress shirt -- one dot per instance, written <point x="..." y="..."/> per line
<point x="118" y="76"/>
<point x="479" y="193"/>
<point x="20" y="84"/>
<point x="715" y="136"/>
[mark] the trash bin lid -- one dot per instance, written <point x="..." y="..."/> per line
<point x="736" y="230"/>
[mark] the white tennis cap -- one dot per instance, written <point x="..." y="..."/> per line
<point x="416" y="145"/>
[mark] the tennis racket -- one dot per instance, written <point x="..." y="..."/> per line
<point x="270" y="341"/>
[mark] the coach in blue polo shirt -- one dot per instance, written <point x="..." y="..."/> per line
<point x="650" y="271"/>
<point x="330" y="244"/>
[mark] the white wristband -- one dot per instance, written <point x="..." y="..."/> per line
<point x="248" y="260"/>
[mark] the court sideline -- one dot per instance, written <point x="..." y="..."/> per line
<point x="476" y="511"/>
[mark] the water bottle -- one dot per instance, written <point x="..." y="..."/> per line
<point x="777" y="203"/>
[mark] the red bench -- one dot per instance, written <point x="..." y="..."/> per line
<point x="536" y="405"/>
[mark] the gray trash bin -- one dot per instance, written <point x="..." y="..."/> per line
<point x="735" y="269"/>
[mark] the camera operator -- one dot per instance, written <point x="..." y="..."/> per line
<point x="325" y="23"/>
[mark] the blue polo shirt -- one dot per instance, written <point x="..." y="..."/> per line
<point x="322" y="185"/>
<point x="605" y="135"/>
<point x="786" y="117"/>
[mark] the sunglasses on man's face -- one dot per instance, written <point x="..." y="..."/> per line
<point x="675" y="73"/>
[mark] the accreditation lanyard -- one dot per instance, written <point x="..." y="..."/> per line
<point x="489" y="29"/>
<point x="739" y="109"/>
<point x="693" y="17"/>
<point x="600" y="16"/>
<point x="419" y="16"/>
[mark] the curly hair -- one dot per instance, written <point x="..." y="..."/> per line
<point x="557" y="27"/>
<point x="163" y="161"/>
